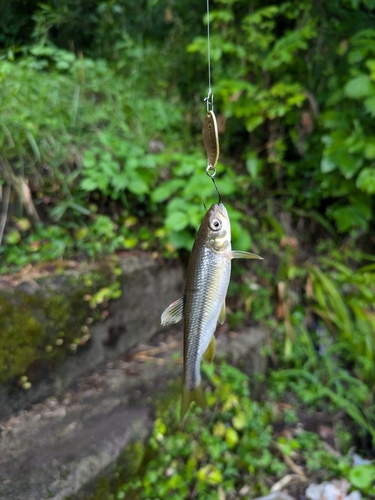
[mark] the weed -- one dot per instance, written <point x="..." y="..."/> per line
<point x="230" y="447"/>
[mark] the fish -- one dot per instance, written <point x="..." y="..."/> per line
<point x="202" y="305"/>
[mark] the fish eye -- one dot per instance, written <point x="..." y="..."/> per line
<point x="215" y="224"/>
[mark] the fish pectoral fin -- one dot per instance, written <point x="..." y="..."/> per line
<point x="238" y="254"/>
<point x="174" y="313"/>
<point x="222" y="314"/>
<point x="210" y="351"/>
<point x="188" y="396"/>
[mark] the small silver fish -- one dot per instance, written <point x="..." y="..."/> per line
<point x="203" y="302"/>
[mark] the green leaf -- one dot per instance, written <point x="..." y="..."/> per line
<point x="231" y="437"/>
<point x="138" y="186"/>
<point x="210" y="474"/>
<point x="89" y="184"/>
<point x="370" y="149"/>
<point x="199" y="45"/>
<point x="341" y="318"/>
<point x="222" y="15"/>
<point x="371" y="66"/>
<point x="356" y="56"/>
<point x="284" y="49"/>
<point x="239" y="421"/>
<point x="370" y="105"/>
<point x="119" y="182"/>
<point x="327" y="165"/>
<point x="359" y="87"/>
<point x="253" y="165"/>
<point x="366" y="180"/>
<point x="241" y="238"/>
<point x="177" y="221"/>
<point x="13" y="237"/>
<point x="362" y="476"/>
<point x="166" y="190"/>
<point x="198" y="184"/>
<point x="227" y="186"/>
<point x="348" y="218"/>
<point x="337" y="155"/>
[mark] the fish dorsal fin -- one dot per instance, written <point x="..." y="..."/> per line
<point x="238" y="254"/>
<point x="211" y="349"/>
<point x="222" y="314"/>
<point x="174" y="313"/>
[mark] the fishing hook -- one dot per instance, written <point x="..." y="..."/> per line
<point x="211" y="172"/>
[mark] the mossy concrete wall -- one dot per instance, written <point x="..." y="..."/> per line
<point x="58" y="447"/>
<point x="63" y="320"/>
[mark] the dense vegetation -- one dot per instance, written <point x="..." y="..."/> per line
<point x="101" y="107"/>
<point x="237" y="449"/>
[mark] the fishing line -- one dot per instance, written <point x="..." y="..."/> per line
<point x="210" y="131"/>
<point x="210" y="104"/>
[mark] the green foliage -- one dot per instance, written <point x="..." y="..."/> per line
<point x="45" y="243"/>
<point x="87" y="101"/>
<point x="363" y="478"/>
<point x="348" y="151"/>
<point x="325" y="385"/>
<point x="186" y="190"/>
<point x="345" y="300"/>
<point x="115" y="167"/>
<point x="324" y="336"/>
<point x="319" y="310"/>
<point x="91" y="148"/>
<point x="16" y="23"/>
<point x="310" y="120"/>
<point x="116" y="132"/>
<point x="231" y="447"/>
<point x="202" y="457"/>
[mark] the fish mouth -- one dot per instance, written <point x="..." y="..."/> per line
<point x="223" y="210"/>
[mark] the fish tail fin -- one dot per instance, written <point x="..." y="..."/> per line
<point x="196" y="394"/>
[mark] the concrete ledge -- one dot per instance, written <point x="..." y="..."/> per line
<point x="147" y="286"/>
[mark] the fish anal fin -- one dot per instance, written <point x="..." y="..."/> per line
<point x="222" y="314"/>
<point x="173" y="313"/>
<point x="238" y="254"/>
<point x="188" y="396"/>
<point x="210" y="351"/>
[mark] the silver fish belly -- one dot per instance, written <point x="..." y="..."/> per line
<point x="205" y="292"/>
